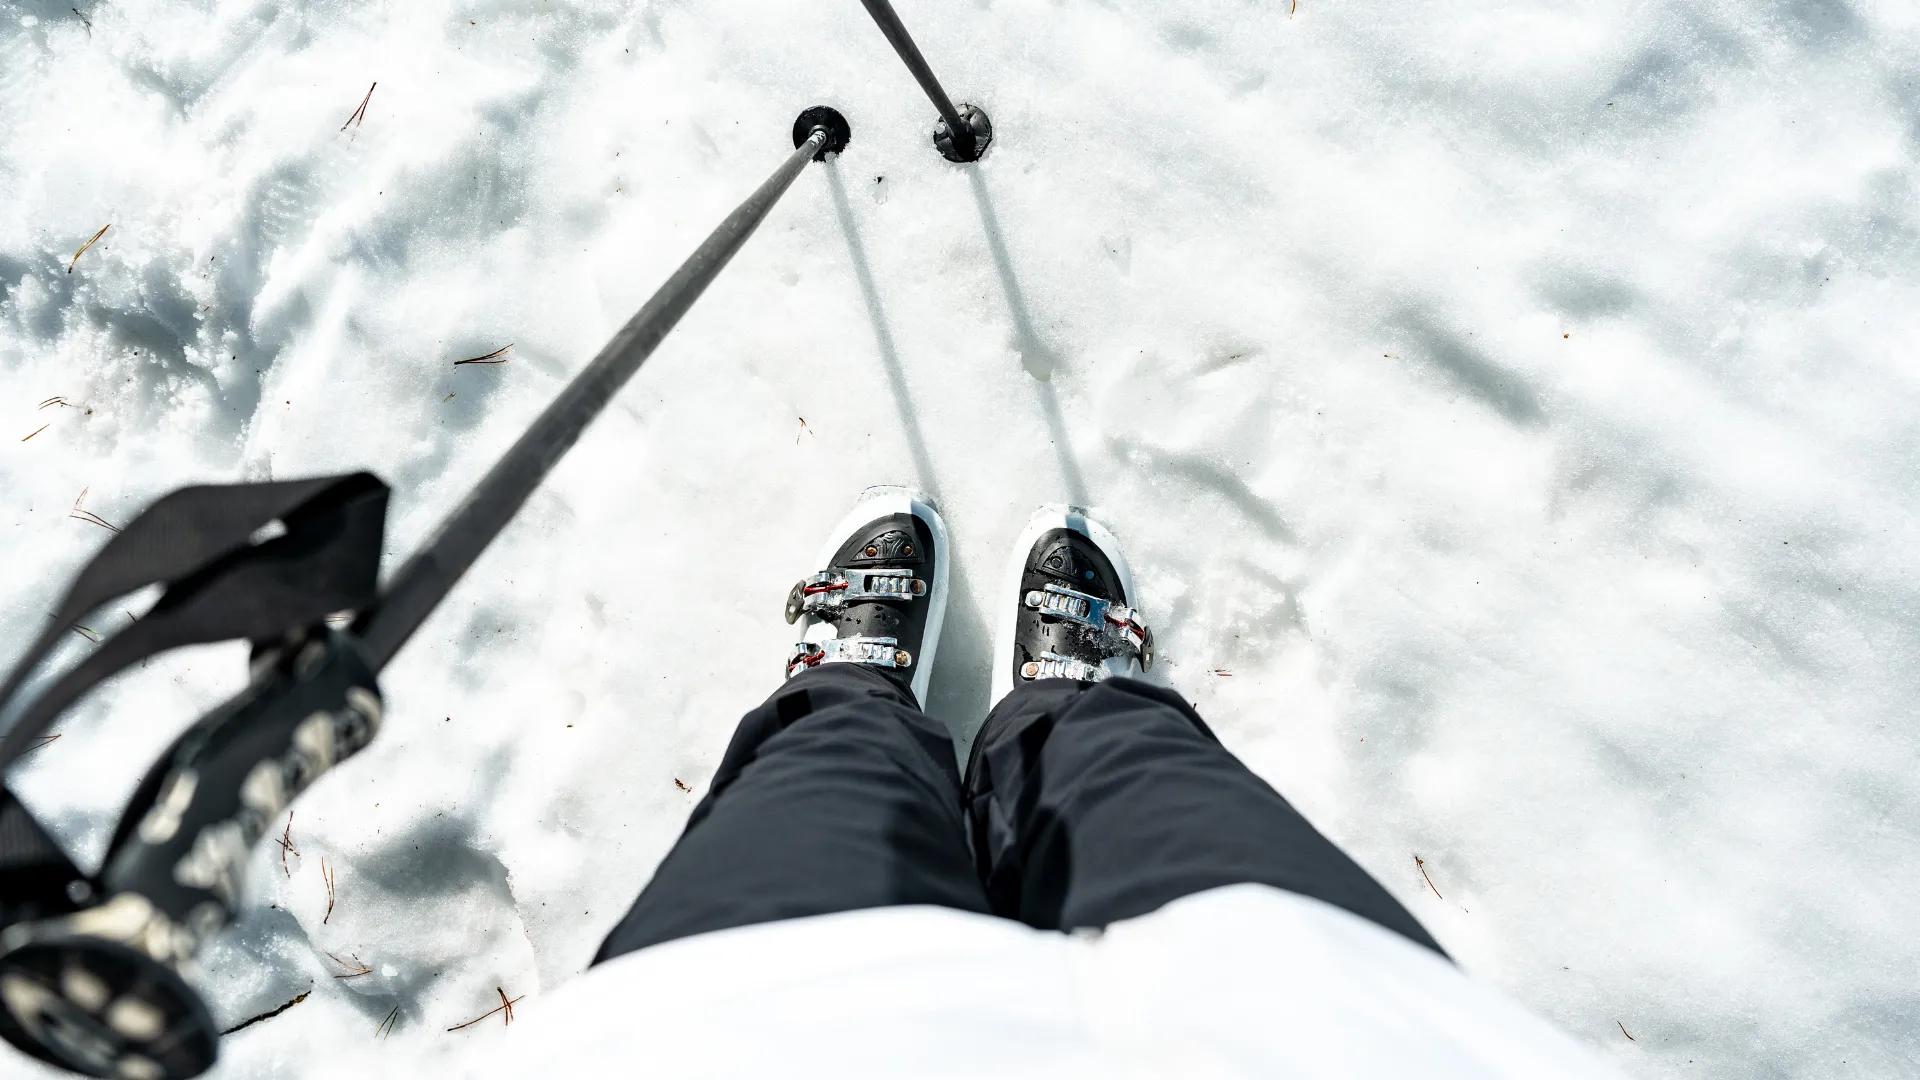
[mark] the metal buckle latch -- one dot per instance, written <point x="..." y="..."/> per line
<point x="832" y="590"/>
<point x="1121" y="627"/>
<point x="874" y="651"/>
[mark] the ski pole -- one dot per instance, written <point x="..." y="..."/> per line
<point x="70" y="942"/>
<point x="963" y="133"/>
<point x="424" y="580"/>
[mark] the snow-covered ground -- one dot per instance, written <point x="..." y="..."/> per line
<point x="1510" y="410"/>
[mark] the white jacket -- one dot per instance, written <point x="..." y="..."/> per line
<point x="1246" y="981"/>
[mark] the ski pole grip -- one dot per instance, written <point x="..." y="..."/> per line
<point x="185" y="839"/>
<point x="103" y="991"/>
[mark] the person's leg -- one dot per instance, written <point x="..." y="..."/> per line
<point x="837" y="794"/>
<point x="1093" y="802"/>
<point x="1094" y="797"/>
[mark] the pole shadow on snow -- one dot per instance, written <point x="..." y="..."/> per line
<point x="269" y="956"/>
<point x="1468" y="368"/>
<point x="882" y="332"/>
<point x="957" y="693"/>
<point x="1039" y="360"/>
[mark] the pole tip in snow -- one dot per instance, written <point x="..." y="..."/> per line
<point x="839" y="133"/>
<point x="979" y="134"/>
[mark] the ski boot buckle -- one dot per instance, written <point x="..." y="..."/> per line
<point x="1122" y="629"/>
<point x="829" y="591"/>
<point x="1054" y="666"/>
<point x="873" y="651"/>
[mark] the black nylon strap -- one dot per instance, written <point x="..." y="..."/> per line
<point x="34" y="872"/>
<point x="219" y="584"/>
<point x="22" y="842"/>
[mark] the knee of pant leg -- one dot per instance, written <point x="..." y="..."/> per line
<point x="1003" y="757"/>
<point x="792" y="705"/>
<point x="1018" y="709"/>
<point x="827" y="686"/>
<point x="992" y="840"/>
<point x="1114" y="695"/>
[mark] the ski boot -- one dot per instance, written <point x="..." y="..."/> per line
<point x="1066" y="608"/>
<point x="882" y="594"/>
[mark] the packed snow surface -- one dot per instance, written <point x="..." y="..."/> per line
<point x="1509" y="409"/>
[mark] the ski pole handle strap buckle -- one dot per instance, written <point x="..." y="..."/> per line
<point x="873" y="651"/>
<point x="831" y="590"/>
<point x="1122" y="629"/>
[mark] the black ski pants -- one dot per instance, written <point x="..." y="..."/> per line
<point x="1083" y="804"/>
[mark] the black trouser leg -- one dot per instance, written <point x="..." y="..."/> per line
<point x="1092" y="803"/>
<point x="837" y="794"/>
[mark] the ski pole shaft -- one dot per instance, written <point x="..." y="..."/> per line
<point x="896" y="32"/>
<point x="425" y="579"/>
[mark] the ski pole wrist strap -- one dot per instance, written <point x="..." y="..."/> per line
<point x="92" y="969"/>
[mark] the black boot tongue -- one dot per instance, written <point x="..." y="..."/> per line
<point x="892" y="547"/>
<point x="1061" y="564"/>
<point x="899" y="542"/>
<point x="1069" y="561"/>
